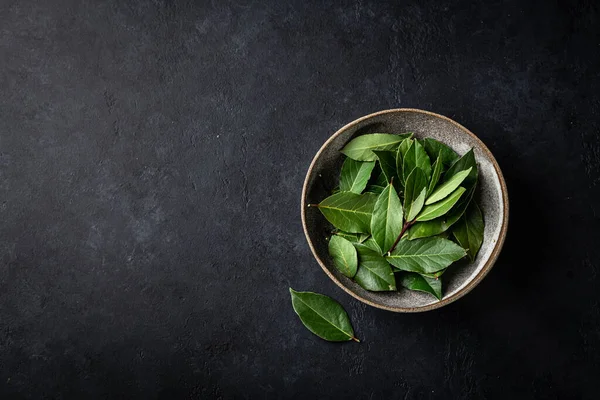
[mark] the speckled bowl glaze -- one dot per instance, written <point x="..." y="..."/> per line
<point x="491" y="195"/>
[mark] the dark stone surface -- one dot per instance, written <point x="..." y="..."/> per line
<point x="152" y="155"/>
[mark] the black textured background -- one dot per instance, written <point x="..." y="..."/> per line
<point x="152" y="155"/>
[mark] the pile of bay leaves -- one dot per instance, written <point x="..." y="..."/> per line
<point x="403" y="212"/>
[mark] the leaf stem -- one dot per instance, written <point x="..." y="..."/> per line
<point x="313" y="205"/>
<point x="355" y="339"/>
<point x="407" y="225"/>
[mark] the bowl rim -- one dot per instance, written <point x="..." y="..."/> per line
<point x="489" y="262"/>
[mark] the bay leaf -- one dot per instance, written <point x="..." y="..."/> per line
<point x="374" y="273"/>
<point x="349" y="212"/>
<point x="400" y="152"/>
<point x="414" y="193"/>
<point x="387" y="162"/>
<point x="416" y="157"/>
<point x="344" y="255"/>
<point x="361" y="148"/>
<point x="399" y="165"/>
<point x="460" y="207"/>
<point x="355" y="175"/>
<point x="435" y="148"/>
<point x="351" y="237"/>
<point x="435" y="175"/>
<point x="414" y="281"/>
<point x="386" y="222"/>
<point x="428" y="228"/>
<point x="440" y="208"/>
<point x="440" y="225"/>
<point x="323" y="316"/>
<point x="427" y="255"/>
<point x="449" y="186"/>
<point x="465" y="162"/>
<point x="372" y="244"/>
<point x="417" y="205"/>
<point x="405" y="145"/>
<point x="468" y="231"/>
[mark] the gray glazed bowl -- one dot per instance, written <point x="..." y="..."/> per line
<point x="491" y="195"/>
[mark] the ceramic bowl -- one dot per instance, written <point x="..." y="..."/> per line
<point x="491" y="195"/>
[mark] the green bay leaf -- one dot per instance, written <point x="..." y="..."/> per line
<point x="323" y="316"/>
<point x="435" y="148"/>
<point x="351" y="237"/>
<point x="349" y="212"/>
<point x="417" y="205"/>
<point x="405" y="145"/>
<point x="414" y="281"/>
<point x="435" y="175"/>
<point x="344" y="255"/>
<point x="442" y="224"/>
<point x="440" y="208"/>
<point x="400" y="152"/>
<point x="386" y="222"/>
<point x="427" y="255"/>
<point x="465" y="162"/>
<point x="427" y="228"/>
<point x="387" y="162"/>
<point x="416" y="157"/>
<point x="355" y="175"/>
<point x="468" y="231"/>
<point x="372" y="244"/>
<point x="414" y="193"/>
<point x="449" y="186"/>
<point x="374" y="273"/>
<point x="361" y="148"/>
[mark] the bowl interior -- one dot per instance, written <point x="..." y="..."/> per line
<point x="491" y="196"/>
